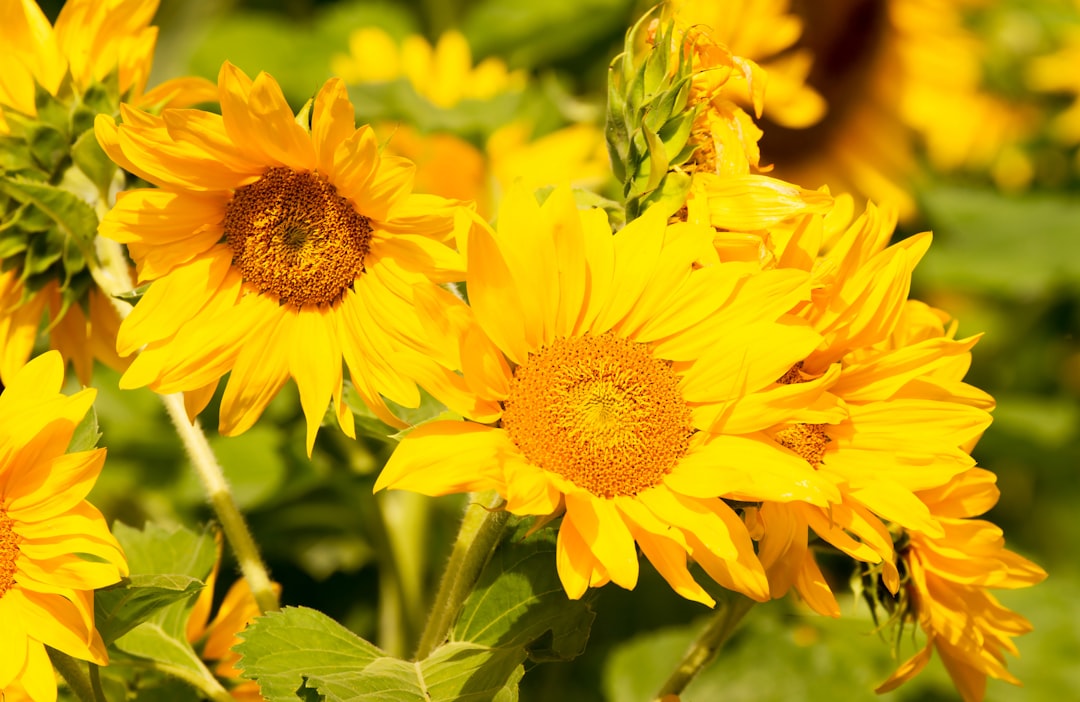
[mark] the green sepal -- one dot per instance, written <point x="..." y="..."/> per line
<point x="650" y="120"/>
<point x="51" y="109"/>
<point x="69" y="222"/>
<point x="91" y="160"/>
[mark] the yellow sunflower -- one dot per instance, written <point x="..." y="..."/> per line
<point x="886" y="422"/>
<point x="47" y="528"/>
<point x="854" y="86"/>
<point x="615" y="372"/>
<point x="275" y="253"/>
<point x="444" y="74"/>
<point x="92" y="42"/>
<point x="946" y="583"/>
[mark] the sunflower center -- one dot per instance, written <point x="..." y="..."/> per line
<point x="807" y="440"/>
<point x="9" y="552"/>
<point x="295" y="238"/>
<point x="599" y="411"/>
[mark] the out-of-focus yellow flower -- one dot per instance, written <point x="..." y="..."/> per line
<point x="275" y="253"/>
<point x="614" y="370"/>
<point x="889" y="75"/>
<point x="55" y="548"/>
<point x="443" y="74"/>
<point x="449" y="166"/>
<point x="947" y="578"/>
<point x="1056" y="73"/>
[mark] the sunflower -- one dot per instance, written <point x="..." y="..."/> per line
<point x="886" y="422"/>
<point x="615" y="371"/>
<point x="946" y="583"/>
<point x="96" y="54"/>
<point x="875" y="80"/>
<point x="55" y="548"/>
<point x="444" y="75"/>
<point x="274" y="252"/>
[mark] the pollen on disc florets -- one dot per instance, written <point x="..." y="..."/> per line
<point x="295" y="238"/>
<point x="807" y="440"/>
<point x="9" y="552"/>
<point x="600" y="411"/>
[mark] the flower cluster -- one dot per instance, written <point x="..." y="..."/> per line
<point x="727" y="377"/>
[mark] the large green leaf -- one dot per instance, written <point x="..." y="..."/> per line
<point x="520" y="605"/>
<point x="517" y="611"/>
<point x="119" y="609"/>
<point x="181" y="560"/>
<point x="297" y="650"/>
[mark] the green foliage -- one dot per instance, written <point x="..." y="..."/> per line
<point x="649" y="120"/>
<point x="533" y="34"/>
<point x="517" y="611"/>
<point x="1019" y="246"/>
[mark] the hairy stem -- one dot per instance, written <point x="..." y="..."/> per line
<point x="74" y="673"/>
<point x="729" y="612"/>
<point x="481" y="530"/>
<point x="221" y="499"/>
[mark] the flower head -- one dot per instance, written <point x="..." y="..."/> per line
<point x="47" y="530"/>
<point x="274" y="252"/>
<point x="613" y="373"/>
<point x="946" y="581"/>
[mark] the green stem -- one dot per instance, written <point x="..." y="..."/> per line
<point x="729" y="612"/>
<point x="203" y="680"/>
<point x="221" y="499"/>
<point x="481" y="529"/>
<point x="73" y="673"/>
<point x="95" y="681"/>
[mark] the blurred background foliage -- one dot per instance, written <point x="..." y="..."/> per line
<point x="1006" y="265"/>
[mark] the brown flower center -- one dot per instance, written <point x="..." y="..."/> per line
<point x="293" y="237"/>
<point x="807" y="440"/>
<point x="600" y="411"/>
<point x="9" y="552"/>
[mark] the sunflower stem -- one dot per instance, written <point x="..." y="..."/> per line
<point x="729" y="612"/>
<point x="71" y="669"/>
<point x="221" y="499"/>
<point x="481" y="530"/>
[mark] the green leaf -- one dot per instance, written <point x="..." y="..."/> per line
<point x="159" y="551"/>
<point x="296" y="646"/>
<point x="48" y="146"/>
<point x="92" y="161"/>
<point x="367" y="424"/>
<point x="72" y="216"/>
<point x="298" y="649"/>
<point x="519" y="603"/>
<point x="86" y="434"/>
<point x="182" y="560"/>
<point x="119" y="609"/>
